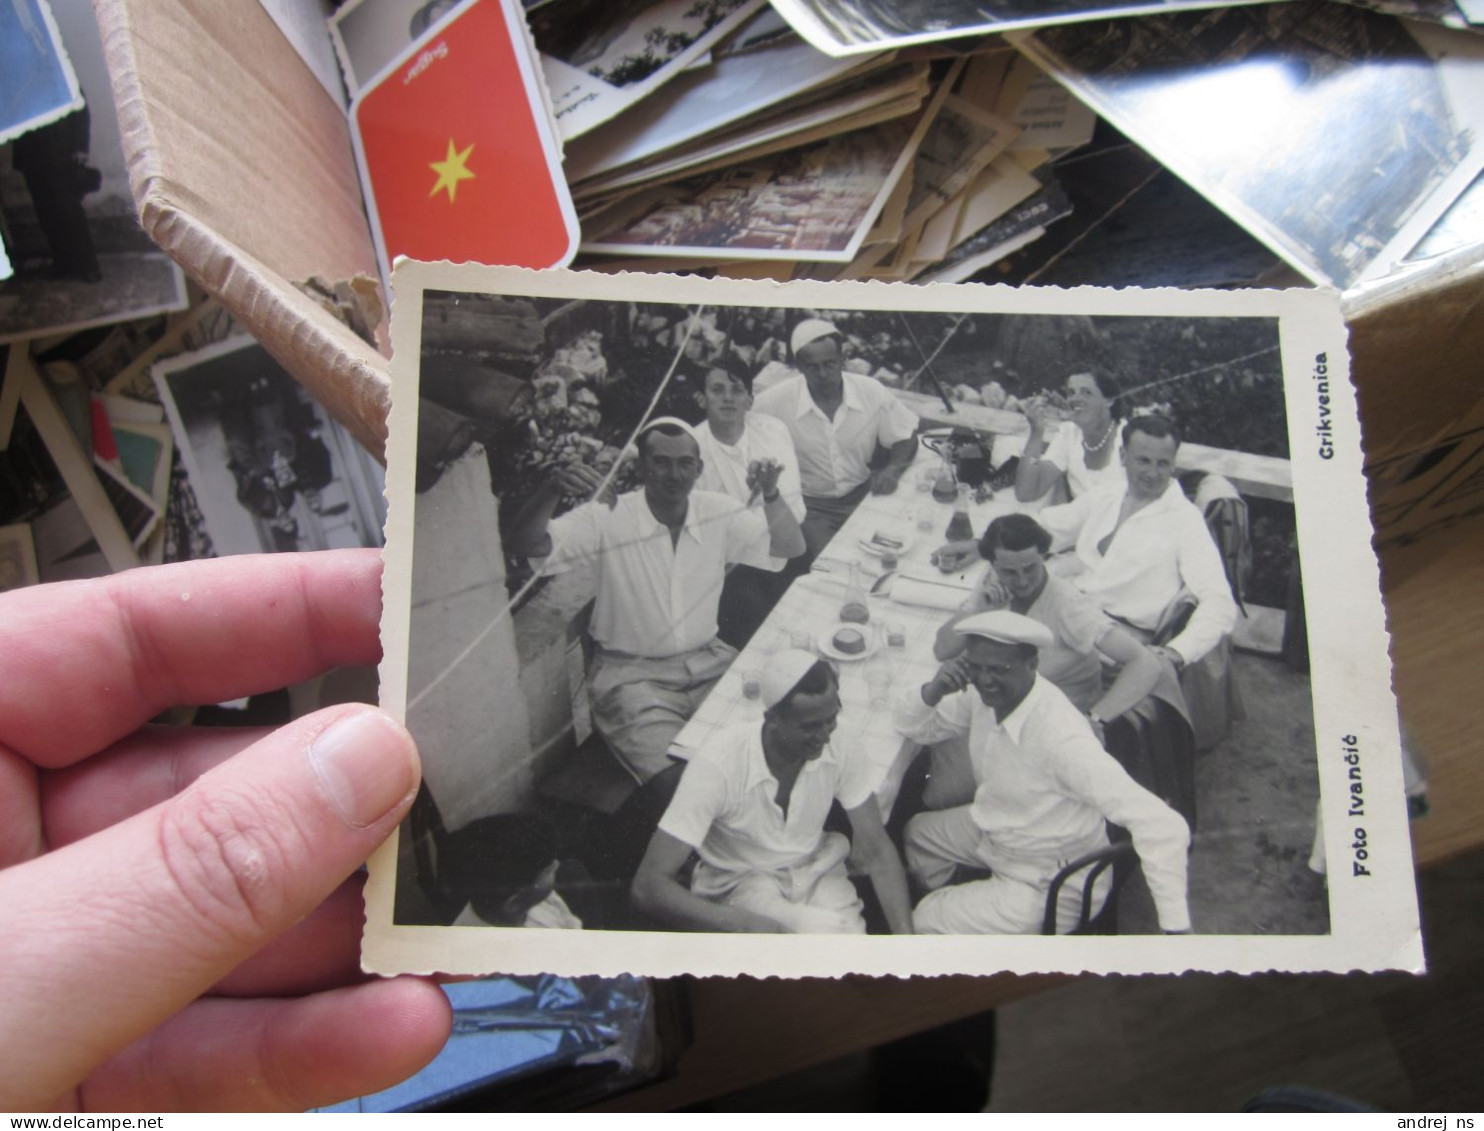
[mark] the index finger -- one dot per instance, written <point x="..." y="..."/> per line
<point x="83" y="663"/>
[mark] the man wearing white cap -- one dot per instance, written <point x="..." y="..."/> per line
<point x="753" y="804"/>
<point x="837" y="420"/>
<point x="660" y="554"/>
<point x="1044" y="790"/>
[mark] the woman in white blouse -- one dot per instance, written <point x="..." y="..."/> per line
<point x="1084" y="446"/>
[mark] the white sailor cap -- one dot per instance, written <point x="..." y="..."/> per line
<point x="673" y="421"/>
<point x="810" y="330"/>
<point x="1005" y="627"/>
<point x="650" y="425"/>
<point x="783" y="673"/>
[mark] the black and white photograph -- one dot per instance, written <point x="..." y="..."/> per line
<point x="39" y="85"/>
<point x="848" y="27"/>
<point x="78" y="253"/>
<point x="856" y="610"/>
<point x="706" y="99"/>
<point x="270" y="471"/>
<point x="1264" y="110"/>
<point x="602" y="56"/>
<point x="813" y="203"/>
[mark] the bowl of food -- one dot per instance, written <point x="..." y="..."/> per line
<point x="846" y="641"/>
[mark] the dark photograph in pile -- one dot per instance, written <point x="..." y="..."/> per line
<point x="849" y="26"/>
<point x="746" y="618"/>
<point x="1271" y="111"/>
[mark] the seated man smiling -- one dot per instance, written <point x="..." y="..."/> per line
<point x="753" y="804"/>
<point x="1045" y="790"/>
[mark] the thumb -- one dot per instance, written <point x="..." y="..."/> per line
<point x="106" y="938"/>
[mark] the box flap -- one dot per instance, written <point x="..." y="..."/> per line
<point x="243" y="172"/>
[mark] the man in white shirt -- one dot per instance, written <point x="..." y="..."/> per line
<point x="1141" y="542"/>
<point x="661" y="553"/>
<point x="736" y="445"/>
<point x="837" y="420"/>
<point x="753" y="804"/>
<point x="1044" y="790"/>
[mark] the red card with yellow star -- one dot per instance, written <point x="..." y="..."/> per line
<point x="457" y="156"/>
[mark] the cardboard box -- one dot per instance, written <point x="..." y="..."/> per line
<point x="243" y="172"/>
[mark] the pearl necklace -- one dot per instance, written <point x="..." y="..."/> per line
<point x="1103" y="443"/>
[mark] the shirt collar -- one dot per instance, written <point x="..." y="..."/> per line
<point x="757" y="762"/>
<point x="804" y="400"/>
<point x="648" y="525"/>
<point x="1014" y="723"/>
<point x="1169" y="500"/>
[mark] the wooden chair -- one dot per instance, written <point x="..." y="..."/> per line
<point x="1121" y="858"/>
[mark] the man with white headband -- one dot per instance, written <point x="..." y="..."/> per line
<point x="1045" y="790"/>
<point x="753" y="804"/>
<point x="660" y="554"/>
<point x="837" y="420"/>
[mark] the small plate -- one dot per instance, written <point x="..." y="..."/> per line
<point x="826" y="642"/>
<point x="877" y="550"/>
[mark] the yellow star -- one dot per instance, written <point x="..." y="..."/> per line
<point x="451" y="170"/>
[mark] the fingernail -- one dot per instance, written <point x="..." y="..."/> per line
<point x="364" y="765"/>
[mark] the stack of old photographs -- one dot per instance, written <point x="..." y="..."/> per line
<point x="1051" y="141"/>
<point x="166" y="439"/>
<point x="97" y="461"/>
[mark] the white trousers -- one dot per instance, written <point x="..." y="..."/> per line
<point x="813" y="897"/>
<point x="1011" y="902"/>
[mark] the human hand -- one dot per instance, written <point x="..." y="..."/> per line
<point x="993" y="592"/>
<point x="951" y="677"/>
<point x="885" y="481"/>
<point x="762" y="477"/>
<point x="179" y="931"/>
<point x="580" y="481"/>
<point x="1039" y="414"/>
<point x="952" y="557"/>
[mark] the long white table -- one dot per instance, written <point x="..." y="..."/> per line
<point x="810" y="612"/>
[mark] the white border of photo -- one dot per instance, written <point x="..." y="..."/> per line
<point x="1372" y="907"/>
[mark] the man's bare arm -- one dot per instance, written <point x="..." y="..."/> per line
<point x="1137" y="674"/>
<point x="875" y="855"/>
<point x="658" y="892"/>
<point x="528" y="536"/>
<point x="785" y="539"/>
<point x="885" y="481"/>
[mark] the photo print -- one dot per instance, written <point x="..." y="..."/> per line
<point x="269" y="469"/>
<point x="1253" y="106"/>
<point x="682" y="668"/>
<point x="77" y="251"/>
<point x="847" y="27"/>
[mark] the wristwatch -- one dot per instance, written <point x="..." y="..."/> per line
<point x="1097" y="719"/>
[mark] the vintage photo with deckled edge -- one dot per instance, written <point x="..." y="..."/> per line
<point x="1301" y="71"/>
<point x="269" y="469"/>
<point x="848" y="27"/>
<point x="813" y="203"/>
<point x="486" y="662"/>
<point x="42" y="86"/>
<point x="600" y="57"/>
<point x="80" y="259"/>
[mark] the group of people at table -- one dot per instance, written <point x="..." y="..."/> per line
<point x="1033" y="667"/>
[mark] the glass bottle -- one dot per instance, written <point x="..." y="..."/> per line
<point x="854" y="607"/>
<point x="960" y="526"/>
<point x="945" y="486"/>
